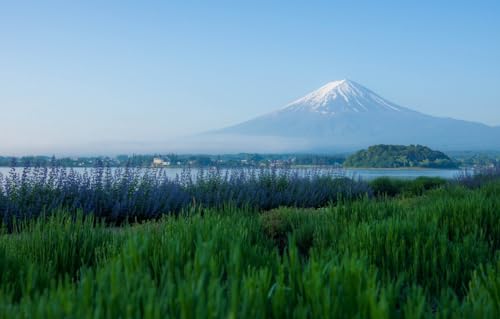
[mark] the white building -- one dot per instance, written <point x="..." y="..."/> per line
<point x="160" y="162"/>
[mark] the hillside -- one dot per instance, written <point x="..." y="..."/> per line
<point x="398" y="156"/>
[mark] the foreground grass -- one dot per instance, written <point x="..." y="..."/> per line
<point x="436" y="255"/>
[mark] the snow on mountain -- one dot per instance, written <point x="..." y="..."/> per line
<point x="342" y="96"/>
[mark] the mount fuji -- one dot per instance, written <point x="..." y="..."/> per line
<point x="344" y="115"/>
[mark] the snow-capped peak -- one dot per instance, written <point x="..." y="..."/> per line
<point x="342" y="96"/>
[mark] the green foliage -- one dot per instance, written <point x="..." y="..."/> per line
<point x="431" y="256"/>
<point x="396" y="156"/>
<point x="178" y="160"/>
<point x="476" y="158"/>
<point x="392" y="186"/>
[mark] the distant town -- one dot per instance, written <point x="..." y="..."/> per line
<point x="463" y="159"/>
<point x="175" y="160"/>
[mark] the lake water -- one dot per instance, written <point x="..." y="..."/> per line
<point x="402" y="173"/>
<point x="366" y="174"/>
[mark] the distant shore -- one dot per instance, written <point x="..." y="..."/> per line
<point x="406" y="168"/>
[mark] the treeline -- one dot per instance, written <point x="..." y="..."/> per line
<point x="477" y="158"/>
<point x="44" y="161"/>
<point x="391" y="156"/>
<point x="397" y="156"/>
<point x="177" y="160"/>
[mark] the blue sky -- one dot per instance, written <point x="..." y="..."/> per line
<point x="80" y="73"/>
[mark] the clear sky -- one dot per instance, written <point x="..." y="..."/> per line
<point x="74" y="74"/>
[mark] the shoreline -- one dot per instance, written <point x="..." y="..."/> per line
<point x="406" y="168"/>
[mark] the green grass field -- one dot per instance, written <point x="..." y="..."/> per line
<point x="434" y="255"/>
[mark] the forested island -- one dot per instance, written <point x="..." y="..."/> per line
<point x="400" y="156"/>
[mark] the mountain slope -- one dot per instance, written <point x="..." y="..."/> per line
<point x="344" y="114"/>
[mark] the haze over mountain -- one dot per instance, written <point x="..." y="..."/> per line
<point x="344" y="115"/>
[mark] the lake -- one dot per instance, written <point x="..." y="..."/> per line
<point x="366" y="174"/>
<point x="369" y="174"/>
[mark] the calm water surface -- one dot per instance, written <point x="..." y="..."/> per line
<point x="366" y="174"/>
